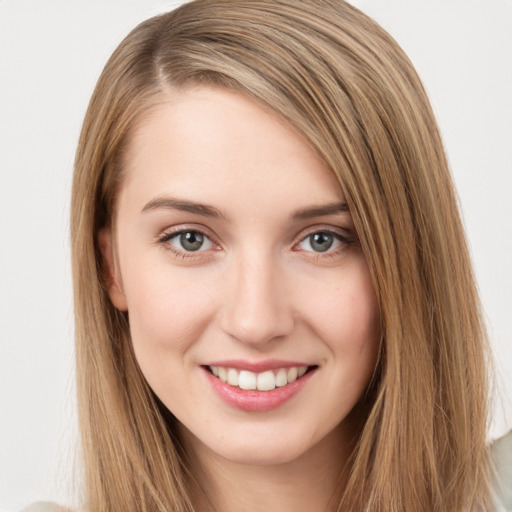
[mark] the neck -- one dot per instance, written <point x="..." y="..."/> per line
<point x="313" y="481"/>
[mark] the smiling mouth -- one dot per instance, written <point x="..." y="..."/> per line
<point x="263" y="381"/>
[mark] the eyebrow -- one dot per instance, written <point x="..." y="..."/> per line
<point x="320" y="210"/>
<point x="170" y="203"/>
<point x="183" y="205"/>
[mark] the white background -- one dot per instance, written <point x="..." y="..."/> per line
<point x="51" y="54"/>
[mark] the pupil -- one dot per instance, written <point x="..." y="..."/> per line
<point x="321" y="242"/>
<point x="191" y="241"/>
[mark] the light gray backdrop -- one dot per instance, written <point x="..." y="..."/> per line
<point x="51" y="54"/>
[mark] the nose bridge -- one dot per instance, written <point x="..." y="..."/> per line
<point x="258" y="309"/>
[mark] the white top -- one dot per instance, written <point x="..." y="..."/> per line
<point x="45" y="506"/>
<point x="502" y="457"/>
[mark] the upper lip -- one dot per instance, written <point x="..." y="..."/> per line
<point x="257" y="366"/>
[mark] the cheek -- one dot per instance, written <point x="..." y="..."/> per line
<point x="168" y="311"/>
<point x="346" y="316"/>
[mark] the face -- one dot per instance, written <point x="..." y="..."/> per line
<point x="251" y="309"/>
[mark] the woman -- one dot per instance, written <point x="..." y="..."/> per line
<point x="274" y="301"/>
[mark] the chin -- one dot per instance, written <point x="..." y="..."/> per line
<point x="261" y="454"/>
<point x="256" y="446"/>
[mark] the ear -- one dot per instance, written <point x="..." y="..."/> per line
<point x="111" y="276"/>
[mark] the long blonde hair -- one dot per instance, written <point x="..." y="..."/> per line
<point x="344" y="84"/>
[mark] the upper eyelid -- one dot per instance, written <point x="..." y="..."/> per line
<point x="176" y="230"/>
<point x="339" y="231"/>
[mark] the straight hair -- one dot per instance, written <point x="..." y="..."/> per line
<point x="346" y="87"/>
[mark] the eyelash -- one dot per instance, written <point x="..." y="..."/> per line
<point x="343" y="240"/>
<point x="167" y="236"/>
<point x="165" y="241"/>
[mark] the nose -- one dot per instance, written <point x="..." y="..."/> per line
<point x="258" y="307"/>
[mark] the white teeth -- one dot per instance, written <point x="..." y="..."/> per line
<point x="223" y="374"/>
<point x="264" y="381"/>
<point x="292" y="374"/>
<point x="247" y="380"/>
<point x="281" y="378"/>
<point x="232" y="377"/>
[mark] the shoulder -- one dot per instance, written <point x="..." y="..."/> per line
<point x="502" y="457"/>
<point x="45" y="506"/>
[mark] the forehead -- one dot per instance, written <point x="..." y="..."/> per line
<point x="213" y="141"/>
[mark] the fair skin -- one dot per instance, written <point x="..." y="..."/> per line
<point x="234" y="251"/>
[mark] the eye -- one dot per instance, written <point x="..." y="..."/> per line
<point x="189" y="241"/>
<point x="321" y="241"/>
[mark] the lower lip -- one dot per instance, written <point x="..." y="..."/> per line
<point x="254" y="400"/>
